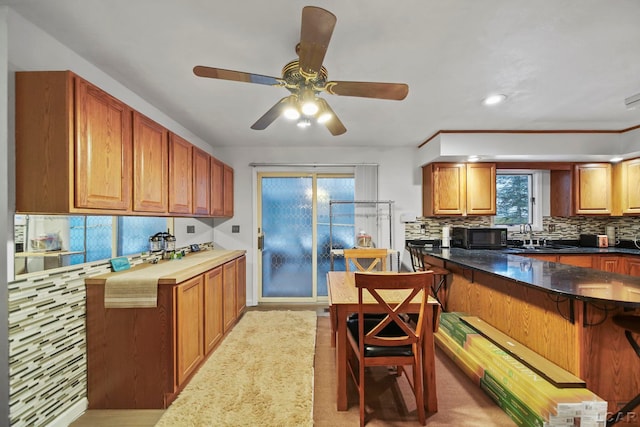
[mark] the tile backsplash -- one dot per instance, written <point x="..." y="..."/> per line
<point x="562" y="228"/>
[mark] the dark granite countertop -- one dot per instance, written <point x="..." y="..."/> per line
<point x="576" y="282"/>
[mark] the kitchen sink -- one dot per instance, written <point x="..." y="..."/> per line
<point x="540" y="248"/>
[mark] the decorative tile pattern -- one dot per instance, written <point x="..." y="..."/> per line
<point x="564" y="228"/>
<point x="47" y="343"/>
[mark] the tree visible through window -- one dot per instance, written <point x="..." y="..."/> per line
<point x="513" y="199"/>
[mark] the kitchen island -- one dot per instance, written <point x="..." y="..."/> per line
<point x="562" y="312"/>
<point x="141" y="357"/>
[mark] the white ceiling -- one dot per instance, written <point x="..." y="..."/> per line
<point x="565" y="64"/>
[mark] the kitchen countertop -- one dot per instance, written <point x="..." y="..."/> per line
<point x="575" y="282"/>
<point x="170" y="272"/>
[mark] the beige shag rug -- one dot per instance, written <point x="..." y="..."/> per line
<point x="260" y="375"/>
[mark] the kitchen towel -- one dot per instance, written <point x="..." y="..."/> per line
<point x="135" y="289"/>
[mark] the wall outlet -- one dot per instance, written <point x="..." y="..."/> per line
<point x="191" y="229"/>
<point x="235" y="228"/>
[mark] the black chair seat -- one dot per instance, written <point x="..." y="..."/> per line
<point x="391" y="330"/>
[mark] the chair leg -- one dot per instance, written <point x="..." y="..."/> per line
<point x="419" y="387"/>
<point x="361" y="393"/>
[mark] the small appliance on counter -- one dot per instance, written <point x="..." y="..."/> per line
<point x="594" y="240"/>
<point x="479" y="238"/>
<point x="162" y="242"/>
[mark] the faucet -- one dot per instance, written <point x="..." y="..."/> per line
<point x="527" y="229"/>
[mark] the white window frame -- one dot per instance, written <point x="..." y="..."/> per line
<point x="536" y="193"/>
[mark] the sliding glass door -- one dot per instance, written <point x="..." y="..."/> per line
<point x="293" y="232"/>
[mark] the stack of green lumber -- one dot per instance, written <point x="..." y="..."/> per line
<point x="525" y="395"/>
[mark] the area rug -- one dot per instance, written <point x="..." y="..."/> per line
<point x="260" y="375"/>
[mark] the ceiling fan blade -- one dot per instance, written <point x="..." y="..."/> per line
<point x="270" y="116"/>
<point x="393" y="91"/>
<point x="334" y="124"/>
<point x="238" y="76"/>
<point x="315" y="34"/>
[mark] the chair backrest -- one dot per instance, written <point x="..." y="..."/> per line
<point x="393" y="293"/>
<point x="417" y="258"/>
<point x="376" y="259"/>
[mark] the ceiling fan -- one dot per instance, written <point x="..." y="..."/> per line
<point x="306" y="78"/>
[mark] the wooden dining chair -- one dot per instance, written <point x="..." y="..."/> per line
<point x="440" y="274"/>
<point x="376" y="259"/>
<point x="367" y="259"/>
<point x="389" y="340"/>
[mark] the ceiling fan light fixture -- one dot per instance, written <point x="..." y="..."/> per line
<point x="324" y="114"/>
<point x="309" y="108"/>
<point x="292" y="113"/>
<point x="304" y="122"/>
<point x="291" y="110"/>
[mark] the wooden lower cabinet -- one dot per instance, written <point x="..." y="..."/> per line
<point x="213" y="301"/>
<point x="141" y="358"/>
<point x="229" y="294"/>
<point x="189" y="300"/>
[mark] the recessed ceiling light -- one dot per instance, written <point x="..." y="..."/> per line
<point x="494" y="99"/>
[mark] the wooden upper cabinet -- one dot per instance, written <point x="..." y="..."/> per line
<point x="150" y="165"/>
<point x="626" y="188"/>
<point x="102" y="150"/>
<point x="228" y="191"/>
<point x="561" y="190"/>
<point x="201" y="182"/>
<point x="444" y="189"/>
<point x="481" y="189"/>
<point x="592" y="188"/>
<point x="217" y="187"/>
<point x="180" y="175"/>
<point x="459" y="189"/>
<point x="73" y="146"/>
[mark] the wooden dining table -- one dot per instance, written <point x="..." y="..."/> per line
<point x="343" y="300"/>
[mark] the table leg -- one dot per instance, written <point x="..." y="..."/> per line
<point x="429" y="360"/>
<point x="341" y="357"/>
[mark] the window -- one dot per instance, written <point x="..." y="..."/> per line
<point x="518" y="199"/>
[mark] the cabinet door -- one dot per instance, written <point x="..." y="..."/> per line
<point x="241" y="274"/>
<point x="609" y="263"/>
<point x="201" y="182"/>
<point x="628" y="187"/>
<point x="180" y="175"/>
<point x="576" y="260"/>
<point x="229" y="294"/>
<point x="213" y="327"/>
<point x="481" y="189"/>
<point x="102" y="150"/>
<point x="217" y="187"/>
<point x="592" y="187"/>
<point x="189" y="327"/>
<point x="632" y="266"/>
<point x="228" y="191"/>
<point x="150" y="165"/>
<point x="444" y="187"/>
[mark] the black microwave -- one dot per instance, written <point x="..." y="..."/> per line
<point x="479" y="238"/>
